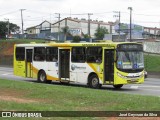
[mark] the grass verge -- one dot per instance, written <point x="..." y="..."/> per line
<point x="23" y="40"/>
<point x="152" y="62"/>
<point x="29" y="96"/>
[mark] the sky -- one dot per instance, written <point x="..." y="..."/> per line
<point x="145" y="12"/>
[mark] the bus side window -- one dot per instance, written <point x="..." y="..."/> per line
<point x="39" y="53"/>
<point x="78" y="54"/>
<point x="94" y="54"/>
<point x="52" y="54"/>
<point x="20" y="53"/>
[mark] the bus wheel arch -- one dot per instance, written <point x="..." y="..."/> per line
<point x="42" y="77"/>
<point x="93" y="81"/>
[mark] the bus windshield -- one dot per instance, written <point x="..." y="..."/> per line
<point x="132" y="60"/>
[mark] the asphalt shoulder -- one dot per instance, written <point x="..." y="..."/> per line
<point x="153" y="74"/>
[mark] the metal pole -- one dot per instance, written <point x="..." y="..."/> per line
<point x="89" y="24"/>
<point x="119" y="22"/>
<point x="59" y="16"/>
<point x="22" y="19"/>
<point x="130" y="8"/>
<point x="8" y="28"/>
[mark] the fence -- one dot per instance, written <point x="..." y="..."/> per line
<point x="152" y="47"/>
<point x="51" y="36"/>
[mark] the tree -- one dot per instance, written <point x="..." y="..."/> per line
<point x="100" y="32"/>
<point x="76" y="39"/>
<point x="4" y="28"/>
<point x="86" y="36"/>
<point x="14" y="28"/>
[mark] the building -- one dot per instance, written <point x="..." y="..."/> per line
<point x="76" y="27"/>
<point x="45" y="26"/>
<point x="136" y="30"/>
<point x="81" y="26"/>
<point x="152" y="31"/>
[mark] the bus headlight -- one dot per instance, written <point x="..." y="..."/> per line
<point x="120" y="75"/>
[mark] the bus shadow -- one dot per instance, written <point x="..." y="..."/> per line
<point x="104" y="87"/>
<point x="58" y="83"/>
<point x="120" y="89"/>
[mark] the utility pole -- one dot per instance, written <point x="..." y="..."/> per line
<point x="119" y="22"/>
<point x="119" y="16"/>
<point x="22" y="19"/>
<point x="130" y="8"/>
<point x="59" y="16"/>
<point x="7" y="27"/>
<point x="89" y="24"/>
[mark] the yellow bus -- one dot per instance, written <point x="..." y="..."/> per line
<point x="93" y="64"/>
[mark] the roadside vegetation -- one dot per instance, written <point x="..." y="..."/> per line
<point x="22" y="40"/>
<point x="152" y="62"/>
<point x="32" y="96"/>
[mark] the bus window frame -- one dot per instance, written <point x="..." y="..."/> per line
<point x="95" y="57"/>
<point x="22" y="54"/>
<point x="74" y="55"/>
<point x="37" y="56"/>
<point x="54" y="56"/>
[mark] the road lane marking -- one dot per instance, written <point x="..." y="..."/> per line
<point x="5" y="74"/>
<point x="134" y="87"/>
<point x="151" y="86"/>
<point x="151" y="90"/>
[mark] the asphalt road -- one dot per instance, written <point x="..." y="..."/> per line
<point x="151" y="86"/>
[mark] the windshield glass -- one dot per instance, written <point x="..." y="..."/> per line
<point x="130" y="60"/>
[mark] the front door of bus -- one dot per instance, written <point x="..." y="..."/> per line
<point x="29" y="53"/>
<point x="109" y="65"/>
<point x="64" y="58"/>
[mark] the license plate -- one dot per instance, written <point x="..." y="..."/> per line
<point x="132" y="80"/>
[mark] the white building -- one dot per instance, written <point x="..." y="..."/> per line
<point x="44" y="26"/>
<point x="152" y="31"/>
<point x="81" y="27"/>
<point x="76" y="27"/>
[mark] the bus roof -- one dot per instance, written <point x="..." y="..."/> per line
<point x="103" y="44"/>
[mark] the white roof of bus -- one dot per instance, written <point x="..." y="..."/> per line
<point x="105" y="44"/>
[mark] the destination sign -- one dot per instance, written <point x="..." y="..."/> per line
<point x="137" y="47"/>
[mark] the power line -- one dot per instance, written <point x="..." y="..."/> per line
<point x="146" y="15"/>
<point x="125" y="20"/>
<point x="8" y="13"/>
<point x="36" y="12"/>
<point x="102" y="14"/>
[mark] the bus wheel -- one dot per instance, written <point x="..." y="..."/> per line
<point x="42" y="77"/>
<point x="94" y="82"/>
<point x="118" y="86"/>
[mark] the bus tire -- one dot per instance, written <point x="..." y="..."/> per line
<point x="42" y="77"/>
<point x="118" y="86"/>
<point x="94" y="82"/>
